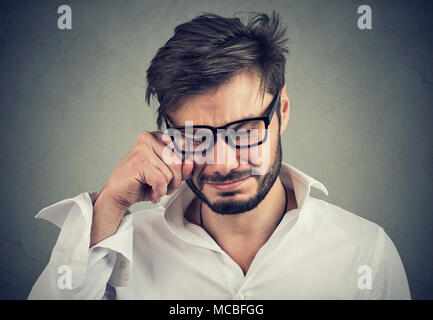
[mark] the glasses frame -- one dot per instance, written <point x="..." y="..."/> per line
<point x="266" y="119"/>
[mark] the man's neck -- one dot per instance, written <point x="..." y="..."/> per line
<point x="242" y="235"/>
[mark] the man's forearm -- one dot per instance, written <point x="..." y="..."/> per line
<point x="106" y="218"/>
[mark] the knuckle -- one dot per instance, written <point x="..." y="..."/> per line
<point x="144" y="135"/>
<point x="160" y="180"/>
<point x="141" y="157"/>
<point x="142" y="151"/>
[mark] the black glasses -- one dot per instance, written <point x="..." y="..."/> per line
<point x="245" y="133"/>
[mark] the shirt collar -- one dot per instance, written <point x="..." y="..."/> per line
<point x="300" y="183"/>
<point x="176" y="203"/>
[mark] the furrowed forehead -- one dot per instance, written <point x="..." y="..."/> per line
<point x="237" y="99"/>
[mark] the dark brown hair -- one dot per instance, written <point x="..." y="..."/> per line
<point x="209" y="50"/>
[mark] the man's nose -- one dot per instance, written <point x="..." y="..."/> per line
<point x="225" y="157"/>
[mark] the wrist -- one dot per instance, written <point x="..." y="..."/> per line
<point x="106" y="204"/>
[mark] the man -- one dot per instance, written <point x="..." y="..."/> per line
<point x="243" y="224"/>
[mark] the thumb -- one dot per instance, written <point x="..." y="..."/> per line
<point x="187" y="169"/>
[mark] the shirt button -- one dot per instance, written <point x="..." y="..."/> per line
<point x="240" y="296"/>
<point x="123" y="264"/>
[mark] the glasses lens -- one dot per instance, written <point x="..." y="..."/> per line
<point x="192" y="139"/>
<point x="247" y="133"/>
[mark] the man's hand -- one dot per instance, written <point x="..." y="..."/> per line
<point x="141" y="175"/>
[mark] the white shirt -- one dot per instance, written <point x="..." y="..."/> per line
<point x="318" y="251"/>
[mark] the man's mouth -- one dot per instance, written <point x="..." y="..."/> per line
<point x="227" y="185"/>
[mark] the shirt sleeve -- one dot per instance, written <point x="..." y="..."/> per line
<point x="74" y="271"/>
<point x="390" y="282"/>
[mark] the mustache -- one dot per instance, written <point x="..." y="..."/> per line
<point x="235" y="175"/>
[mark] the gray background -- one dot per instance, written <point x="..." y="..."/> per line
<point x="72" y="104"/>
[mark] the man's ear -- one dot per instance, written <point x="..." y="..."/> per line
<point x="284" y="109"/>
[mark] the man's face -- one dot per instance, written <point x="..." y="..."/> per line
<point x="230" y="186"/>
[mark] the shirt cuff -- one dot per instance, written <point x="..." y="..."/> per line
<point x="74" y="217"/>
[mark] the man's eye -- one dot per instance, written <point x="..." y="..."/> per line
<point x="197" y="143"/>
<point x="196" y="140"/>
<point x="199" y="140"/>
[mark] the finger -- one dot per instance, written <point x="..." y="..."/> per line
<point x="176" y="169"/>
<point x="172" y="161"/>
<point x="157" y="163"/>
<point x="187" y="169"/>
<point x="155" y="197"/>
<point x="157" y="180"/>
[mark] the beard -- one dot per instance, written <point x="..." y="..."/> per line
<point x="264" y="184"/>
